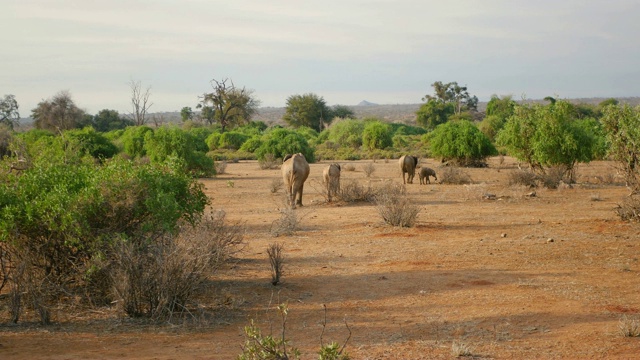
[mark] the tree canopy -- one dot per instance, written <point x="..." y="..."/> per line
<point x="230" y="105"/>
<point x="9" y="114"/>
<point x="307" y="110"/>
<point x="58" y="114"/>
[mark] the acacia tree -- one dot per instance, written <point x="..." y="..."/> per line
<point x="308" y="110"/>
<point x="343" y="112"/>
<point x="9" y="114"/>
<point x="107" y="120"/>
<point x="58" y="114"/>
<point x="139" y="102"/>
<point x="186" y="113"/>
<point x="455" y="94"/>
<point x="230" y="106"/>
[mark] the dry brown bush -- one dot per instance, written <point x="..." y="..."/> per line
<point x="368" y="169"/>
<point x="523" y="177"/>
<point x="269" y="162"/>
<point x="276" y="260"/>
<point x="555" y="175"/>
<point x="352" y="191"/>
<point x="286" y="224"/>
<point x="395" y="207"/>
<point x="629" y="210"/>
<point x="159" y="279"/>
<point x="349" y="167"/>
<point x="454" y="175"/>
<point x="221" y="167"/>
<point x="276" y="185"/>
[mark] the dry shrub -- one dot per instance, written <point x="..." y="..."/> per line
<point x="459" y="349"/>
<point x="276" y="260"/>
<point x="159" y="278"/>
<point x="523" y="177"/>
<point x="287" y="224"/>
<point x="629" y="327"/>
<point x="349" y="167"/>
<point x="269" y="162"/>
<point x="368" y="169"/>
<point x="221" y="167"/>
<point x="555" y="175"/>
<point x="395" y="207"/>
<point x="454" y="175"/>
<point x="276" y="185"/>
<point x="352" y="191"/>
<point x="629" y="210"/>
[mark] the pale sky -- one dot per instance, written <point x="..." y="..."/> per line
<point x="384" y="51"/>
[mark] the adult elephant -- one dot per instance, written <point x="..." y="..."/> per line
<point x="295" y="171"/>
<point x="408" y="165"/>
<point x="331" y="178"/>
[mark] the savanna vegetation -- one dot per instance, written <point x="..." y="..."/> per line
<point x="109" y="209"/>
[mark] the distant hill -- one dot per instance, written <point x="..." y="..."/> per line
<point x="366" y="103"/>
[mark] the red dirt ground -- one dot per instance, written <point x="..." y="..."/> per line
<point x="543" y="277"/>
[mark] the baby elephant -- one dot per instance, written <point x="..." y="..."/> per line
<point x="424" y="174"/>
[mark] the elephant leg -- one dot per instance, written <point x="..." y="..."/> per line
<point x="299" y="202"/>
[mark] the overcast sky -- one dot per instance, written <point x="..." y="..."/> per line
<point x="384" y="51"/>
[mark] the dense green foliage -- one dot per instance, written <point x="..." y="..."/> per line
<point x="377" y="135"/>
<point x="551" y="135"/>
<point x="433" y="113"/>
<point x="280" y="142"/>
<point x="308" y="110"/>
<point x="170" y="143"/>
<point x="462" y="142"/>
<point x="622" y="127"/>
<point x="109" y="120"/>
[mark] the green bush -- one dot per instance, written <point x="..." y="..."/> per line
<point x="91" y="142"/>
<point x="133" y="140"/>
<point x="280" y="142"/>
<point x="170" y="143"/>
<point x="462" y="142"/>
<point x="252" y="144"/>
<point x="347" y="133"/>
<point x="200" y="135"/>
<point x="376" y="135"/>
<point x="213" y="141"/>
<point x="232" y="140"/>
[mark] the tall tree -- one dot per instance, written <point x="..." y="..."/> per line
<point x="107" y="120"/>
<point x="455" y="94"/>
<point x="343" y="112"/>
<point x="307" y="110"/>
<point x="58" y="114"/>
<point x="232" y="106"/>
<point x="9" y="114"/>
<point x="433" y="113"/>
<point x="186" y="113"/>
<point x="140" y="102"/>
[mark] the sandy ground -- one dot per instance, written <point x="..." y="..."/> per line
<point x="515" y="277"/>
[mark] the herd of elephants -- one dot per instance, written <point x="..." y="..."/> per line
<point x="295" y="171"/>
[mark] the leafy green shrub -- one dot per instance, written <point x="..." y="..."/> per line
<point x="200" y="135"/>
<point x="551" y="135"/>
<point x="60" y="217"/>
<point x="347" y="132"/>
<point x="169" y="142"/>
<point x="213" y="140"/>
<point x="252" y="144"/>
<point x="280" y="142"/>
<point x="622" y="127"/>
<point x="133" y="140"/>
<point x="232" y="140"/>
<point x="93" y="143"/>
<point x="376" y="135"/>
<point x="462" y="142"/>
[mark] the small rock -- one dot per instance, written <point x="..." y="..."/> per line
<point x="550" y="240"/>
<point x="504" y="235"/>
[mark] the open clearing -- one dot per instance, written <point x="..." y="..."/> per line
<point x="548" y="276"/>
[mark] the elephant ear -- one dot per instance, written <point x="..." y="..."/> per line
<point x="287" y="157"/>
<point x="339" y="168"/>
<point x="415" y="160"/>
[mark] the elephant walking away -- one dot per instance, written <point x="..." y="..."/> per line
<point x="295" y="171"/>
<point x="408" y="165"/>
<point x="331" y="178"/>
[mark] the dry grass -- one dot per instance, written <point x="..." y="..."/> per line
<point x="286" y="224"/>
<point x="459" y="349"/>
<point x="629" y="327"/>
<point x="629" y="210"/>
<point x="352" y="191"/>
<point x="395" y="207"/>
<point x="349" y="167"/>
<point x="221" y="167"/>
<point x="368" y="169"/>
<point x="276" y="260"/>
<point x="269" y="162"/>
<point x="276" y="185"/>
<point x="454" y="175"/>
<point x="523" y="177"/>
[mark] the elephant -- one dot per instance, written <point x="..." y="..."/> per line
<point x="295" y="171"/>
<point x="408" y="165"/>
<point x="424" y="174"/>
<point x="331" y="177"/>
